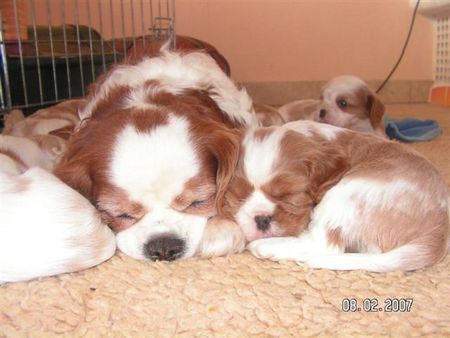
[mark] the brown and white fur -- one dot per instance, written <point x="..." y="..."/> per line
<point x="157" y="147"/>
<point x="346" y="101"/>
<point x="46" y="227"/>
<point x="267" y="115"/>
<point x="48" y="128"/>
<point x="335" y="199"/>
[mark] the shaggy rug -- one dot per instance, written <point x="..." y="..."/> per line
<point x="238" y="295"/>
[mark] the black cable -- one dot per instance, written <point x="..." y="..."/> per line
<point x="404" y="47"/>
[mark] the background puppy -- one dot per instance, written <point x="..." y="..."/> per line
<point x="346" y="101"/>
<point x="17" y="154"/>
<point x="156" y="149"/>
<point x="350" y="200"/>
<point x="48" y="128"/>
<point x="267" y="115"/>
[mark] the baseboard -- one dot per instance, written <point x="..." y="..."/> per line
<point x="395" y="91"/>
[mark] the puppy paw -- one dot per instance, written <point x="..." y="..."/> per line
<point x="276" y="249"/>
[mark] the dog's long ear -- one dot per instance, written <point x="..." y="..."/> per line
<point x="321" y="164"/>
<point x="375" y="109"/>
<point x="224" y="145"/>
<point x="327" y="167"/>
<point x="73" y="168"/>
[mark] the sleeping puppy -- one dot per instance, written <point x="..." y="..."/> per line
<point x="48" y="128"/>
<point x="47" y="228"/>
<point x="336" y="199"/>
<point x="157" y="146"/>
<point x="267" y="115"/>
<point x="62" y="116"/>
<point x="346" y="101"/>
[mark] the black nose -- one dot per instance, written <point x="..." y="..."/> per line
<point x="164" y="248"/>
<point x="263" y="222"/>
<point x="322" y="113"/>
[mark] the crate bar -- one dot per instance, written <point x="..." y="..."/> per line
<point x="102" y="42"/>
<point x="80" y="56"/>
<point x="151" y="17"/>
<point x="159" y="21"/>
<point x="4" y="96"/>
<point x="122" y="16"/>
<point x="36" y="46"/>
<point x="19" y="39"/>
<point x="113" y="37"/>
<point x="133" y="32"/>
<point x="66" y="53"/>
<point x="167" y="8"/>
<point x="142" y="23"/>
<point x="52" y="50"/>
<point x="88" y="8"/>
<point x="173" y="32"/>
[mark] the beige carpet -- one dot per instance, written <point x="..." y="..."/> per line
<point x="234" y="296"/>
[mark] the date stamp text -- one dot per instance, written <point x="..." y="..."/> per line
<point x="374" y="305"/>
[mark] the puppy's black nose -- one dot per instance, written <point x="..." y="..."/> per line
<point x="164" y="248"/>
<point x="263" y="222"/>
<point x="322" y="113"/>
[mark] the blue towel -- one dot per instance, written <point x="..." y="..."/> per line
<point x="411" y="130"/>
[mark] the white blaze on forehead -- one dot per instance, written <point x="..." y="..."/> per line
<point x="260" y="156"/>
<point x="153" y="166"/>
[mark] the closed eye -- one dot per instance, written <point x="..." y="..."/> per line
<point x="126" y="217"/>
<point x="196" y="203"/>
<point x="199" y="203"/>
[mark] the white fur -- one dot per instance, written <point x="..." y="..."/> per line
<point x="139" y="98"/>
<point x="256" y="204"/>
<point x="261" y="156"/>
<point x="47" y="228"/>
<point x="308" y="128"/>
<point x="10" y="166"/>
<point x="159" y="162"/>
<point x="343" y="83"/>
<point x="28" y="151"/>
<point x="337" y="209"/>
<point x="153" y="168"/>
<point x="175" y="73"/>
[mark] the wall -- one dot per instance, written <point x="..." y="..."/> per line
<point x="299" y="40"/>
<point x="282" y="40"/>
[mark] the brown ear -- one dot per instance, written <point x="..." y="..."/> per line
<point x="375" y="110"/>
<point x="225" y="146"/>
<point x="73" y="168"/>
<point x="326" y="169"/>
<point x="63" y="132"/>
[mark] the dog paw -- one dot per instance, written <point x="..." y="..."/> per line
<point x="276" y="249"/>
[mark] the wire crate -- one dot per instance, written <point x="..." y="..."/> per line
<point x="52" y="50"/>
